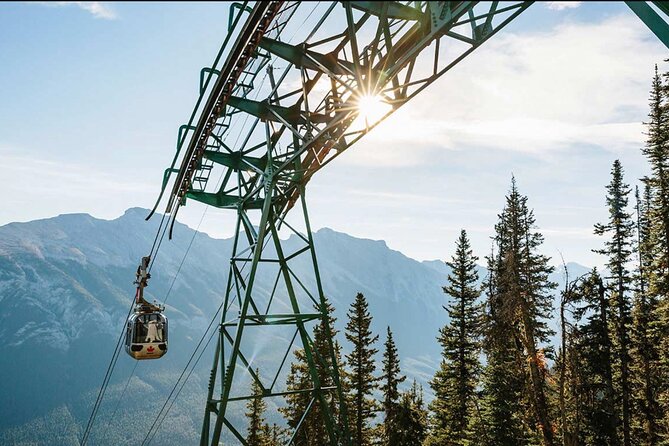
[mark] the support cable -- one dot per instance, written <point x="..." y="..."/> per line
<point x="162" y="409"/>
<point x="156" y="237"/>
<point x="120" y="398"/>
<point x="155" y="247"/>
<point x="164" y="301"/>
<point x="183" y="384"/>
<point x="165" y="408"/>
<point x="105" y="381"/>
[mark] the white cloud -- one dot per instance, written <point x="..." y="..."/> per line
<point x="99" y="10"/>
<point x="559" y="6"/>
<point x="554" y="105"/>
<point x="39" y="187"/>
<point x="578" y="84"/>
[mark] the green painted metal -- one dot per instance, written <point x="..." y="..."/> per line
<point x="186" y="128"/>
<point x="663" y="6"/>
<point x="303" y="58"/>
<point x="222" y="200"/>
<point x="268" y="140"/>
<point x="237" y="7"/>
<point x="272" y="113"/>
<point x="205" y="74"/>
<point x="652" y="19"/>
<point x="391" y="10"/>
<point x="236" y="161"/>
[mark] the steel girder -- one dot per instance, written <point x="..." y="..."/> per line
<point x="282" y="104"/>
<point x="305" y="107"/>
<point x="656" y="22"/>
<point x="310" y="111"/>
<point x="293" y="304"/>
<point x="270" y="116"/>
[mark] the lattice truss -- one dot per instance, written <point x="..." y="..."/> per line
<point x="288" y="97"/>
<point x="286" y="101"/>
<point x="295" y="104"/>
<point x="305" y="108"/>
<point x="286" y="94"/>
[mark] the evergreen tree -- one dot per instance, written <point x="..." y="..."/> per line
<point x="312" y="431"/>
<point x="618" y="249"/>
<point x="644" y="342"/>
<point x="390" y="379"/>
<point x="571" y="404"/>
<point x="567" y="363"/>
<point x="274" y="435"/>
<point x="411" y="419"/>
<point x="299" y="381"/>
<point x="256" y="407"/>
<point x="455" y="382"/>
<point x="593" y="377"/>
<point x="657" y="153"/>
<point x="360" y="376"/>
<point x="503" y="377"/>
<point x="520" y="305"/>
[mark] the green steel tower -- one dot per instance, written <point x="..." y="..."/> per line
<point x="292" y="87"/>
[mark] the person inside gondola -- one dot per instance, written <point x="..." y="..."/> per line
<point x="140" y="329"/>
<point x="154" y="332"/>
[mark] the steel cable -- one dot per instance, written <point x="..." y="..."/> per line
<point x="165" y="409"/>
<point x="105" y="381"/>
<point x="162" y="409"/>
<point x="183" y="384"/>
<point x="120" y="398"/>
<point x="156" y="423"/>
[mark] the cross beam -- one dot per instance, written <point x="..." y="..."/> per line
<point x="281" y="105"/>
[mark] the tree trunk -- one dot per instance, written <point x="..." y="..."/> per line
<point x="563" y="358"/>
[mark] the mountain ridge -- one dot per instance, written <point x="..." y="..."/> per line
<point x="66" y="283"/>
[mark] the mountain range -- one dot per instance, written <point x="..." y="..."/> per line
<point x="65" y="289"/>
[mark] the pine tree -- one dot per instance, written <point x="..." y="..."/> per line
<point x="360" y="376"/>
<point x="455" y="382"/>
<point x="255" y="415"/>
<point x="570" y="407"/>
<point x="274" y="435"/>
<point x="298" y="381"/>
<point x="503" y="377"/>
<point x="324" y="365"/>
<point x="645" y="381"/>
<point x="591" y="366"/>
<point x="618" y="248"/>
<point x="390" y="380"/>
<point x="520" y="306"/>
<point x="657" y="153"/>
<point x="312" y="431"/>
<point x="411" y="420"/>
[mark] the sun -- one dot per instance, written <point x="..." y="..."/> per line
<point x="372" y="108"/>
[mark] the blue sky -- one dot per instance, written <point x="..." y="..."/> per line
<point x="92" y="95"/>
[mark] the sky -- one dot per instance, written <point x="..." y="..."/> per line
<point x="92" y="95"/>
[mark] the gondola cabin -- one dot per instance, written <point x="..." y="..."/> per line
<point x="146" y="335"/>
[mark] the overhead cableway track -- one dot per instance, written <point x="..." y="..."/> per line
<point x="272" y="113"/>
